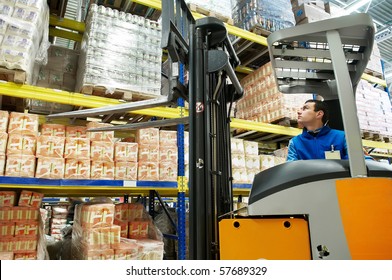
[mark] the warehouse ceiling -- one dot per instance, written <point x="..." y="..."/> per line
<point x="381" y="12"/>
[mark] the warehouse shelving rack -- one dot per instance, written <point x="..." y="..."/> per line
<point x="118" y="187"/>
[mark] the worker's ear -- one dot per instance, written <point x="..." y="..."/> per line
<point x="320" y="114"/>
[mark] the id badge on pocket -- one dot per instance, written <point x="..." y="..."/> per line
<point x="332" y="154"/>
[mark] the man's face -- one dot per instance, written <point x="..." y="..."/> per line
<point x="306" y="114"/>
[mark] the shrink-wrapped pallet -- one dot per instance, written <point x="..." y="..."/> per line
<point x="120" y="51"/>
<point x="24" y="29"/>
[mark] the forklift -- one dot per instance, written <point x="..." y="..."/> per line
<point x="315" y="209"/>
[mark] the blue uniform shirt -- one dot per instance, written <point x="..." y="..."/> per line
<point x="307" y="146"/>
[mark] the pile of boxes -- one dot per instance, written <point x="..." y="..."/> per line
<point x="306" y="11"/>
<point x="374" y="109"/>
<point x="20" y="226"/>
<point x="96" y="235"/>
<point x="71" y="152"/>
<point x="246" y="161"/>
<point x="262" y="100"/>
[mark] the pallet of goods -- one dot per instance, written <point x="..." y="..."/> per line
<point x="23" y="33"/>
<point x="212" y="8"/>
<point x="121" y="56"/>
<point x="21" y="235"/>
<point x="106" y="231"/>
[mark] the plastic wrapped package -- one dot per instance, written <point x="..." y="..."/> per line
<point x="50" y="129"/>
<point x="148" y="136"/>
<point x="125" y="151"/>
<point x="120" y="51"/>
<point x="77" y="148"/>
<point x="99" y="135"/>
<point x="102" y="170"/>
<point x="125" y="170"/>
<point x="4" y="116"/>
<point x="24" y="28"/>
<point x="77" y="169"/>
<point x="50" y="146"/>
<point x="20" y="166"/>
<point x="50" y="168"/>
<point x="269" y="15"/>
<point x="23" y="123"/>
<point x="21" y="145"/>
<point x="101" y="150"/>
<point x="76" y="131"/>
<point x="219" y="7"/>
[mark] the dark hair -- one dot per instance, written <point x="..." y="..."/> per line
<point x="320" y="106"/>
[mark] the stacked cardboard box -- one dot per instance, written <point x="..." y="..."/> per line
<point x="21" y="145"/>
<point x="140" y="238"/>
<point x="104" y="231"/>
<point x="309" y="11"/>
<point x="21" y="226"/>
<point x="244" y="160"/>
<point x="374" y="109"/>
<point x="263" y="102"/>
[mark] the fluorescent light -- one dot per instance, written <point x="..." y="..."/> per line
<point x="356" y="5"/>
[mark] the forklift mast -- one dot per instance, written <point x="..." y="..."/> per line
<point x="203" y="48"/>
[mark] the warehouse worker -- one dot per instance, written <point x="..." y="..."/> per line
<point x="317" y="141"/>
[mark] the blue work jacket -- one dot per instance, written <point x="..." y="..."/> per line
<point x="307" y="146"/>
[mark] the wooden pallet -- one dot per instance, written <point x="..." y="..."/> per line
<point x="15" y="75"/>
<point x="371" y="135"/>
<point x="201" y="10"/>
<point x="251" y="54"/>
<point x="373" y="73"/>
<point x="122" y="94"/>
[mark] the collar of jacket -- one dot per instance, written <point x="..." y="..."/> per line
<point x="324" y="130"/>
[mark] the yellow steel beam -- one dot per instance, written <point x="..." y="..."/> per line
<point x="76" y="99"/>
<point x="381" y="155"/>
<point x="264" y="127"/>
<point x="67" y="23"/>
<point x="55" y="32"/>
<point x="374" y="80"/>
<point x="243" y="69"/>
<point x="375" y="144"/>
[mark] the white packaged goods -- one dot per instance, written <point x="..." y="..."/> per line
<point x="120" y="51"/>
<point x="269" y="15"/>
<point x="24" y="28"/>
<point x="374" y="109"/>
<point x="221" y="7"/>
